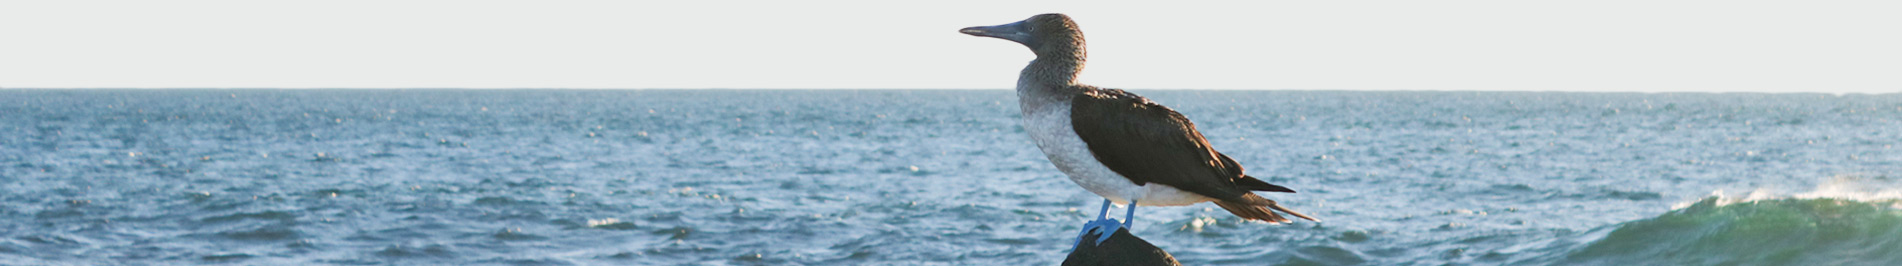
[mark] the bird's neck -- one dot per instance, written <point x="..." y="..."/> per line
<point x="1055" y="69"/>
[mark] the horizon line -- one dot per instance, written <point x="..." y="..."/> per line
<point x="1139" y="89"/>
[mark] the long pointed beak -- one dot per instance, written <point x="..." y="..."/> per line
<point x="1014" y="31"/>
<point x="977" y="31"/>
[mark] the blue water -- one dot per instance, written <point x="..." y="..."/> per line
<point x="930" y="177"/>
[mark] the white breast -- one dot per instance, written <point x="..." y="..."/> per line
<point x="1048" y="123"/>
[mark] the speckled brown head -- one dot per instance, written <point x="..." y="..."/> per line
<point x="1047" y="32"/>
<point x="1054" y="37"/>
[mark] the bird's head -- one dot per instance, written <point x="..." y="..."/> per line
<point x="1040" y="33"/>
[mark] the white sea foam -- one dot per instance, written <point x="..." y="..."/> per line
<point x="1856" y="187"/>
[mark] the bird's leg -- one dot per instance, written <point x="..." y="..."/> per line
<point x="1103" y="223"/>
<point x="1101" y="214"/>
<point x="1130" y="218"/>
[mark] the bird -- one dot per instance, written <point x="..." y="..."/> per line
<point x="1119" y="145"/>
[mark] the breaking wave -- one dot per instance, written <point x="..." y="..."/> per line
<point x="1846" y="221"/>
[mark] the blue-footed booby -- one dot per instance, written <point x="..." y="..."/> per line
<point x="1119" y="145"/>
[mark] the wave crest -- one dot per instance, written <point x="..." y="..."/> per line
<point x="1787" y="231"/>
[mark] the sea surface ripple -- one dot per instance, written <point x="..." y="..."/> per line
<point x="930" y="177"/>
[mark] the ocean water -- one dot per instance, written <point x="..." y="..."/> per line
<point x="930" y="177"/>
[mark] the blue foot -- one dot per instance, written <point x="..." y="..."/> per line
<point x="1102" y="224"/>
<point x="1104" y="229"/>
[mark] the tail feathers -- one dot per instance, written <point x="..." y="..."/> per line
<point x="1251" y="212"/>
<point x="1259" y="210"/>
<point x="1255" y="184"/>
<point x="1279" y="208"/>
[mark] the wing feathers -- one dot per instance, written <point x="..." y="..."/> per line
<point x="1146" y="142"/>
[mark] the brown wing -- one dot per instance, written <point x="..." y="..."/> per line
<point x="1147" y="142"/>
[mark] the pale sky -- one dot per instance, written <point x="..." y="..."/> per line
<point x="1760" y="46"/>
